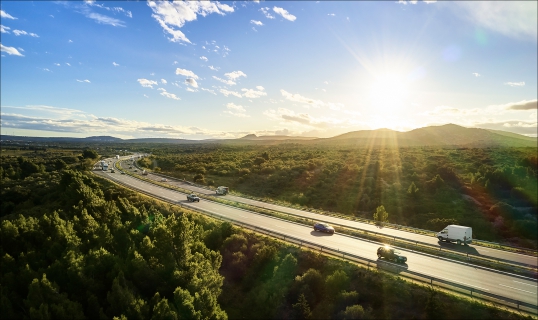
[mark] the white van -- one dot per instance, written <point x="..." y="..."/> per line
<point x="455" y="233"/>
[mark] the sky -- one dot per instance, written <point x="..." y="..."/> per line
<point x="204" y="70"/>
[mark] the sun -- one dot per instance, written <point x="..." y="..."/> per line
<point x="388" y="93"/>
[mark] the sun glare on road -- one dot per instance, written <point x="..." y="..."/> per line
<point x="388" y="93"/>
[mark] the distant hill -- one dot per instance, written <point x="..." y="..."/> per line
<point x="449" y="135"/>
<point x="445" y="135"/>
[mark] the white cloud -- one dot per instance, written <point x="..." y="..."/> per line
<point x="4" y="29"/>
<point x="203" y="58"/>
<point x="326" y="82"/>
<point x="6" y="15"/>
<point x="476" y="74"/>
<point x="232" y="106"/>
<point x="175" y="62"/>
<point x="163" y="81"/>
<point x="515" y="84"/>
<point x="161" y="89"/>
<point x="209" y="90"/>
<point x="67" y="63"/>
<point x="227" y="93"/>
<point x="236" y="110"/>
<point x="186" y="73"/>
<point x="214" y="68"/>
<point x="173" y="15"/>
<point x="250" y="93"/>
<point x="522" y="105"/>
<point x="302" y="119"/>
<point x="284" y="13"/>
<point x="191" y="82"/>
<point x="22" y="32"/>
<point x="10" y="50"/>
<point x="169" y="95"/>
<point x="145" y="95"/>
<point x="298" y="98"/>
<point x="70" y="41"/>
<point x="191" y="89"/>
<point x="430" y="1"/>
<point x="57" y="64"/>
<point x="86" y="80"/>
<point x="102" y="19"/>
<point x="258" y="23"/>
<point x="228" y="82"/>
<point x="517" y="19"/>
<point x="260" y="88"/>
<point x="235" y="74"/>
<point x="265" y="11"/>
<point x="331" y="14"/>
<point x="115" y="64"/>
<point x="147" y="83"/>
<point x="47" y="69"/>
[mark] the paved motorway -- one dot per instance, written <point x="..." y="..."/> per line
<point x="506" y="285"/>
<point x="475" y="250"/>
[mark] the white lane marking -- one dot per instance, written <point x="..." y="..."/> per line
<point x="517" y="289"/>
<point x="532" y="285"/>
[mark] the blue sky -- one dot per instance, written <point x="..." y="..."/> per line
<point x="198" y="70"/>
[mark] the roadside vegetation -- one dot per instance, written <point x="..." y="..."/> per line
<point x="77" y="246"/>
<point x="493" y="190"/>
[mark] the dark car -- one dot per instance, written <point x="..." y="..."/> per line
<point x="192" y="198"/>
<point x="391" y="254"/>
<point x="323" y="227"/>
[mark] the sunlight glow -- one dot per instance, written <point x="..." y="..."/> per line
<point x="389" y="93"/>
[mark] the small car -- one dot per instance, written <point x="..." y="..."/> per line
<point x="164" y="180"/>
<point x="391" y="254"/>
<point x="193" y="198"/>
<point x="122" y="172"/>
<point x="323" y="227"/>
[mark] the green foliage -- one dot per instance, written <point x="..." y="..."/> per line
<point x="90" y="154"/>
<point x="381" y="215"/>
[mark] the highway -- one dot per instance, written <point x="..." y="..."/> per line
<point x="502" y="284"/>
<point x="475" y="250"/>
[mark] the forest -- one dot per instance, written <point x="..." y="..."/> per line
<point x="493" y="190"/>
<point x="75" y="246"/>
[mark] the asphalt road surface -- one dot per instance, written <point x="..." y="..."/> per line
<point x="503" y="284"/>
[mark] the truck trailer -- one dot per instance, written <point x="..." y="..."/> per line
<point x="222" y="190"/>
<point x="455" y="233"/>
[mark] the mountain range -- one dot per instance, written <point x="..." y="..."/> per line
<point x="445" y="135"/>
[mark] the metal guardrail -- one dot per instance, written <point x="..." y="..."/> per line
<point x="521" y="250"/>
<point x="473" y="292"/>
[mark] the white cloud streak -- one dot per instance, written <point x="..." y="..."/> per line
<point x="6" y="15"/>
<point x="186" y="73"/>
<point x="22" y="32"/>
<point x="147" y="83"/>
<point x="191" y="82"/>
<point x="228" y="82"/>
<point x="10" y="50"/>
<point x="284" y="13"/>
<point x="258" y="23"/>
<point x="515" y="84"/>
<point x="228" y="92"/>
<point x="172" y="16"/>
<point x="86" y="81"/>
<point x="235" y="74"/>
<point x="4" y="29"/>
<point x="267" y="13"/>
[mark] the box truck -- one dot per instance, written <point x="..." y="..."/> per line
<point x="455" y="233"/>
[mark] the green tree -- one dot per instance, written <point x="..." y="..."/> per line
<point x="381" y="215"/>
<point x="90" y="154"/>
<point x="301" y="308"/>
<point x="412" y="191"/>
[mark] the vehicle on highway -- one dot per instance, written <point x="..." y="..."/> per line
<point x="136" y="170"/>
<point x="391" y="254"/>
<point x="122" y="172"/>
<point x="222" y="190"/>
<point x="193" y="198"/>
<point x="323" y="227"/>
<point x="164" y="180"/>
<point x="130" y="167"/>
<point x="455" y="233"/>
<point x="112" y="171"/>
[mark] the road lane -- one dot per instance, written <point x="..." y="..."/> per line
<point x="493" y="282"/>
